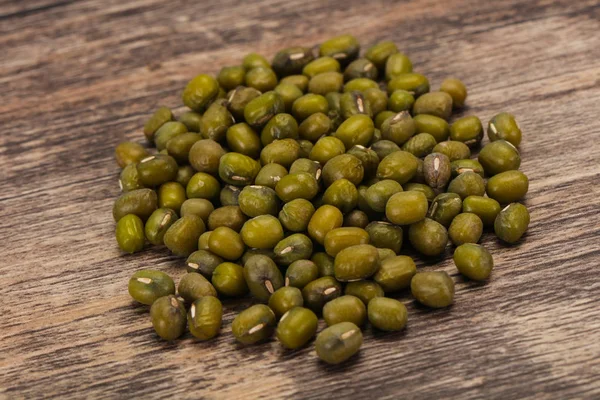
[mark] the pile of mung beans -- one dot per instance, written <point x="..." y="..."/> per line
<point x="299" y="182"/>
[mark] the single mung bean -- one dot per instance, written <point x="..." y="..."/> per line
<point x="147" y="285"/>
<point x="158" y="223"/>
<point x="473" y="261"/>
<point x="485" y="208"/>
<point x="433" y="289"/>
<point x="504" y="126"/>
<point x="140" y="202"/>
<point x="356" y="262"/>
<point x="387" y="314"/>
<point x="467" y="130"/>
<point x="254" y="324"/>
<point x="228" y="279"/>
<point x="204" y="318"/>
<point x="512" y="222"/>
<point x="203" y="262"/>
<point x="284" y="299"/>
<point x="444" y="207"/>
<point x="320" y="291"/>
<point x="507" y="187"/>
<point x="456" y="89"/>
<point x="292" y="248"/>
<point x="339" y="342"/>
<point x="168" y="317"/>
<point x="465" y="228"/>
<point x="158" y="119"/>
<point x="226" y="243"/>
<point x="297" y="327"/>
<point x="405" y="208"/>
<point x="345" y="308"/>
<point x="130" y="233"/>
<point x="499" y="156"/>
<point x="395" y="273"/>
<point x="436" y="170"/>
<point x="428" y="237"/>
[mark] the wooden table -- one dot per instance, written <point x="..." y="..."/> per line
<point x="77" y="77"/>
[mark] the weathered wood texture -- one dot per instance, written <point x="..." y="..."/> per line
<point x="77" y="77"/>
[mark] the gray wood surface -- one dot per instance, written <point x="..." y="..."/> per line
<point x="77" y="77"/>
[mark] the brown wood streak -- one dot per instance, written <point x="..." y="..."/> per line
<point x="77" y="77"/>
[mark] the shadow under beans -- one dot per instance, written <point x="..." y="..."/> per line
<point x="422" y="309"/>
<point x="353" y="363"/>
<point x="387" y="336"/>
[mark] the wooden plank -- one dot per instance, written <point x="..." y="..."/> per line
<point x="77" y="77"/>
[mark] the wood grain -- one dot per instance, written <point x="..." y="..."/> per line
<point x="77" y="77"/>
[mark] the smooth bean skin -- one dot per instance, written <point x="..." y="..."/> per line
<point x="168" y="317"/>
<point x="200" y="91"/>
<point x="284" y="299"/>
<point x="465" y="228"/>
<point x="171" y="195"/>
<point x="395" y="273"/>
<point x="300" y="273"/>
<point x="263" y="277"/>
<point x="405" y="208"/>
<point x="203" y="262"/>
<point x="507" y="187"/>
<point x="230" y="216"/>
<point x="512" y="223"/>
<point x="379" y="53"/>
<point x="182" y="237"/>
<point x="199" y="207"/>
<point x="297" y="327"/>
<point x="228" y="279"/>
<point x="499" y="156"/>
<point x="428" y="237"/>
<point x="324" y="263"/>
<point x="384" y="235"/>
<point x="453" y="150"/>
<point x="193" y="286"/>
<point x="400" y="166"/>
<point x="364" y="290"/>
<point x="320" y="291"/>
<point x="140" y="202"/>
<point x="161" y="116"/>
<point x="147" y="285"/>
<point x="262" y="232"/>
<point x="204" y="156"/>
<point x="129" y="178"/>
<point x="435" y="126"/>
<point x="456" y="89"/>
<point x="339" y="342"/>
<point x="467" y="184"/>
<point x="387" y="314"/>
<point x="444" y="207"/>
<point x="129" y="153"/>
<point x="204" y="318"/>
<point x="293" y="248"/>
<point x="226" y="243"/>
<point x="433" y="289"/>
<point x="473" y="261"/>
<point x="296" y="214"/>
<point x="356" y="262"/>
<point x="156" y="170"/>
<point x="130" y="233"/>
<point x="485" y="208"/>
<point x="345" y="308"/>
<point x="504" y="127"/>
<point x="339" y="239"/>
<point x="324" y="219"/>
<point x="254" y="324"/>
<point x="342" y="194"/>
